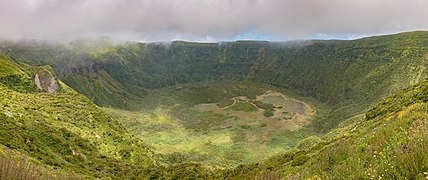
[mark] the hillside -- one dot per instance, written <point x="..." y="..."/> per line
<point x="313" y="109"/>
<point x="63" y="129"/>
<point x="349" y="76"/>
<point x="389" y="143"/>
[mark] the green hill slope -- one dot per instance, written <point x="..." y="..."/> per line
<point x="64" y="129"/>
<point x="365" y="139"/>
<point x="349" y="76"/>
<point x="390" y="143"/>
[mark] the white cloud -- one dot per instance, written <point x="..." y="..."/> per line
<point x="150" y="20"/>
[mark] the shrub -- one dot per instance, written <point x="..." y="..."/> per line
<point x="299" y="160"/>
<point x="309" y="142"/>
<point x="268" y="113"/>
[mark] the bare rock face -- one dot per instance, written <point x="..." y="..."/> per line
<point x="46" y="82"/>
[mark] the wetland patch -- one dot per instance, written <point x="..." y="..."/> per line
<point x="240" y="123"/>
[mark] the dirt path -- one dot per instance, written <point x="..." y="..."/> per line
<point x="234" y="102"/>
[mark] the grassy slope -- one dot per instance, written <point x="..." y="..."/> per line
<point x="14" y="77"/>
<point x="15" y="165"/>
<point x="389" y="143"/>
<point x="74" y="65"/>
<point x="347" y="75"/>
<point x="66" y="130"/>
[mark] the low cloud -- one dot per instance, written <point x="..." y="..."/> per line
<point x="207" y="20"/>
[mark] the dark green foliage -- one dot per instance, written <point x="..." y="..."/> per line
<point x="411" y="95"/>
<point x="269" y="108"/>
<point x="18" y="83"/>
<point x="65" y="130"/>
<point x="299" y="160"/>
<point x="268" y="113"/>
<point x="349" y="76"/>
<point x="15" y="77"/>
<point x="389" y="145"/>
<point x="265" y="106"/>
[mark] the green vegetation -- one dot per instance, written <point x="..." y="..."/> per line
<point x="182" y="129"/>
<point x="9" y="68"/>
<point x="242" y="106"/>
<point x="201" y="120"/>
<point x="14" y="165"/>
<point x="204" y="108"/>
<point x="268" y="113"/>
<point x="348" y="76"/>
<point x="225" y="103"/>
<point x="14" y="77"/>
<point x="265" y="106"/>
<point x="388" y="145"/>
<point x="269" y="108"/>
<point x="65" y="130"/>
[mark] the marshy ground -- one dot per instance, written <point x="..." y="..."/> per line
<point x="219" y="123"/>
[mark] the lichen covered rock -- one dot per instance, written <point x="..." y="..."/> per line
<point x="46" y="81"/>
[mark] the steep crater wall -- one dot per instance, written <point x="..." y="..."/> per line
<point x="348" y="76"/>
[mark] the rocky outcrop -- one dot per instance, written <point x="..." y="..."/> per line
<point x="88" y="66"/>
<point x="46" y="82"/>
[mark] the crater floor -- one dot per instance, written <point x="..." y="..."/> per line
<point x="220" y="123"/>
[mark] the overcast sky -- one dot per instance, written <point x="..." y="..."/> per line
<point x="209" y="20"/>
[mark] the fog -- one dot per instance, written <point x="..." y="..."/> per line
<point x="208" y="20"/>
